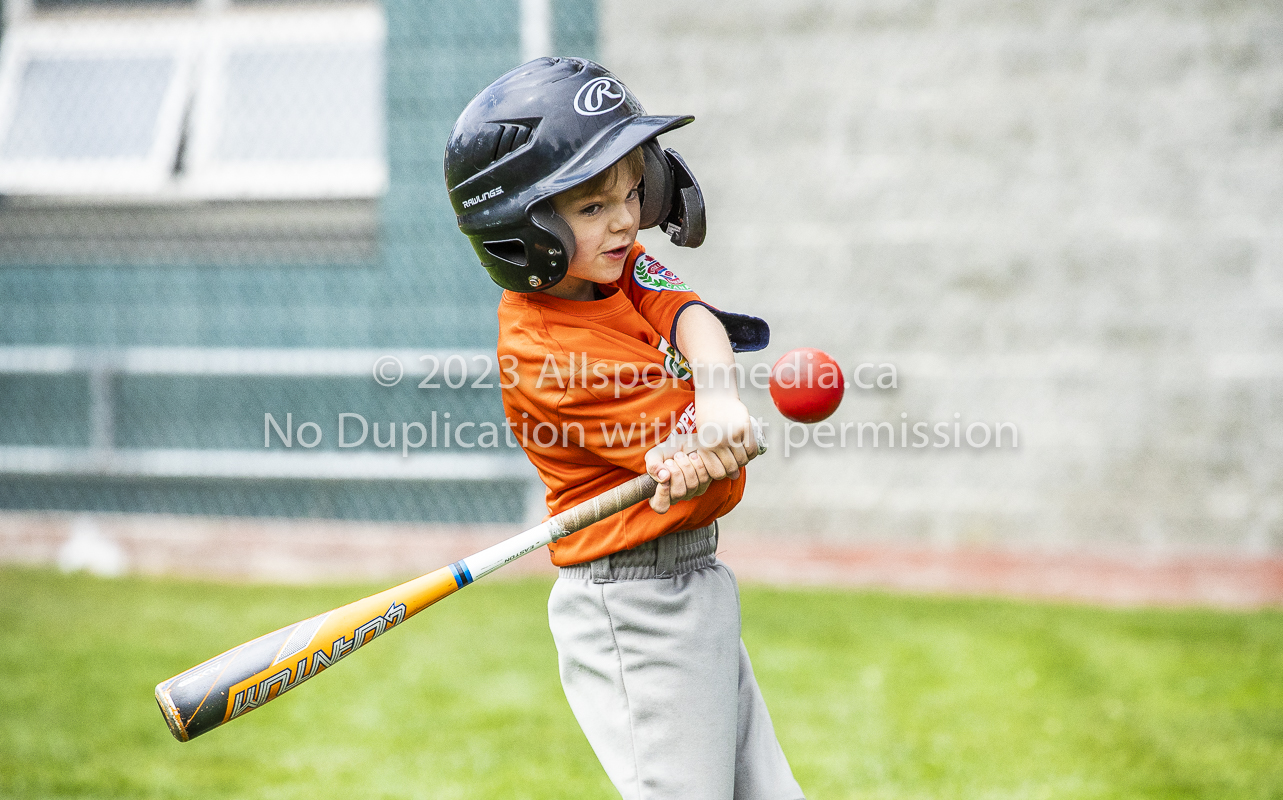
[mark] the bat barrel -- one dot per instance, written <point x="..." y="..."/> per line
<point x="248" y="676"/>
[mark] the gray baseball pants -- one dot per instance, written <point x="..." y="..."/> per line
<point x="651" y="659"/>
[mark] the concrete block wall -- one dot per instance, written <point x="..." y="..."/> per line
<point x="1065" y="216"/>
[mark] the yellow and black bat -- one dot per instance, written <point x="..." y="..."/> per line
<point x="242" y="679"/>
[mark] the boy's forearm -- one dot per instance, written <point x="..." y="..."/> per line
<point x="724" y="425"/>
<point x="703" y="341"/>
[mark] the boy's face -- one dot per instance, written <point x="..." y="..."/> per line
<point x="605" y="225"/>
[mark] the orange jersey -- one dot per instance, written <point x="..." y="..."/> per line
<point x="590" y="386"/>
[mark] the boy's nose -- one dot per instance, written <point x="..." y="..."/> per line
<point x="622" y="219"/>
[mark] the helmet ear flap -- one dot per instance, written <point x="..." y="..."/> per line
<point x="555" y="254"/>
<point x="656" y="186"/>
<point x="535" y="257"/>
<point x="685" y="223"/>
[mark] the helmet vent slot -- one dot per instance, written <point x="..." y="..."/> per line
<point x="496" y="140"/>
<point x="512" y="136"/>
<point x="512" y="251"/>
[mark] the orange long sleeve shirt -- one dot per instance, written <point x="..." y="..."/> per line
<point x="590" y="386"/>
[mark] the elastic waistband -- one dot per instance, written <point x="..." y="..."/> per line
<point x="675" y="553"/>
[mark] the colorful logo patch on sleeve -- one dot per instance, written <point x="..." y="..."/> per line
<point x="674" y="361"/>
<point x="653" y="275"/>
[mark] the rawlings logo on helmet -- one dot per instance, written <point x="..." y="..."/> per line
<point x="596" y="96"/>
<point x="653" y="275"/>
<point x="484" y="196"/>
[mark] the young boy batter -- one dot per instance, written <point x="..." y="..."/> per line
<point x="552" y="171"/>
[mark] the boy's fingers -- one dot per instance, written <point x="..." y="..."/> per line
<point x="676" y="482"/>
<point x="726" y="463"/>
<point x="657" y="455"/>
<point x="716" y="464"/>
<point x="702" y="476"/>
<point x="738" y="433"/>
<point x="691" y="471"/>
<point x="683" y="476"/>
<point x="730" y="459"/>
<point x="662" y="499"/>
<point x="696" y="476"/>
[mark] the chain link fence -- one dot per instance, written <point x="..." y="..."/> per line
<point x="216" y="217"/>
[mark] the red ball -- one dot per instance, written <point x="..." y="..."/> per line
<point x="807" y="384"/>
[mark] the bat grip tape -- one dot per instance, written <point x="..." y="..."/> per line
<point x="598" y="508"/>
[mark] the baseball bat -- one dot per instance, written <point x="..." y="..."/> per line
<point x="246" y="677"/>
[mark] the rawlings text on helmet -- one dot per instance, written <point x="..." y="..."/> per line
<point x="598" y="96"/>
<point x="484" y="196"/>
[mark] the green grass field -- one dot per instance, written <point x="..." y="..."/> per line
<point x="873" y="696"/>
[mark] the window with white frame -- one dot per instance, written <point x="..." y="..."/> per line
<point x="192" y="101"/>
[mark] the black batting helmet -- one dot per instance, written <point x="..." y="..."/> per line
<point x="545" y="127"/>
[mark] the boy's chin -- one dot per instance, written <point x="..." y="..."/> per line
<point x="609" y="274"/>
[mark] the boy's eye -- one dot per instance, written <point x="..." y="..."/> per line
<point x="590" y="209"/>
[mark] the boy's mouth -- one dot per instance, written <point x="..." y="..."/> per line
<point x="618" y="252"/>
